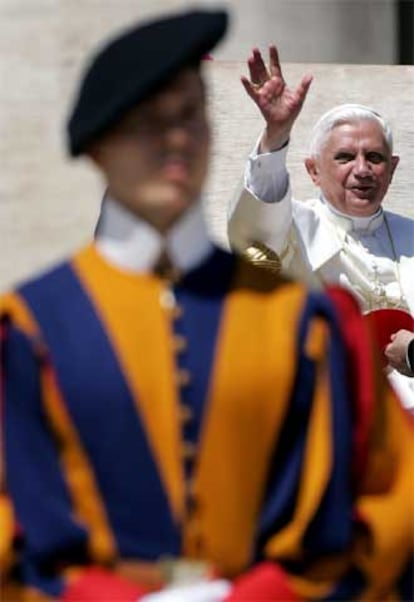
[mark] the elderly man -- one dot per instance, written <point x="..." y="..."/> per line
<point x="174" y="418"/>
<point x="344" y="236"/>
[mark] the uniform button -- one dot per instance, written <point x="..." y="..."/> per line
<point x="188" y="450"/>
<point x="183" y="378"/>
<point x="167" y="299"/>
<point x="179" y="343"/>
<point x="186" y="414"/>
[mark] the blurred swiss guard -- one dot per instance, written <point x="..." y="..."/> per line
<point x="178" y="424"/>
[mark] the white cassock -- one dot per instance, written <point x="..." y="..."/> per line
<point x="372" y="256"/>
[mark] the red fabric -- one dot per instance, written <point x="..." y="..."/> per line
<point x="266" y="582"/>
<point x="361" y="376"/>
<point x="97" y="584"/>
<point x="386" y="322"/>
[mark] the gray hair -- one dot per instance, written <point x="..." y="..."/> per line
<point x="344" y="114"/>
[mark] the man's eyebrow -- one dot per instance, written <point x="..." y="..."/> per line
<point x="343" y="151"/>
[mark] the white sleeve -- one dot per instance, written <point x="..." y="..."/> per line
<point x="266" y="176"/>
<point x="254" y="218"/>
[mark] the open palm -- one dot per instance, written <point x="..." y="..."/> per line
<point x="279" y="104"/>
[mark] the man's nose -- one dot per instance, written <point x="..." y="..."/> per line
<point x="178" y="134"/>
<point x="361" y="166"/>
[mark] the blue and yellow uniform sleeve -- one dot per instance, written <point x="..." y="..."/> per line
<point x="32" y="472"/>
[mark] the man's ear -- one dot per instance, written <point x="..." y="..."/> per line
<point x="395" y="159"/>
<point x="312" y="167"/>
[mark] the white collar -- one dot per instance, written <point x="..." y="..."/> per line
<point x="130" y="243"/>
<point x="349" y="223"/>
<point x="325" y="242"/>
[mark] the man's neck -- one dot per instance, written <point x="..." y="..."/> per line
<point x="130" y="242"/>
<point x="362" y="222"/>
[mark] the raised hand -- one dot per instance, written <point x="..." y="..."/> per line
<point x="279" y="104"/>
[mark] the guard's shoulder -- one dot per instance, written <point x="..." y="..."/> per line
<point x="15" y="305"/>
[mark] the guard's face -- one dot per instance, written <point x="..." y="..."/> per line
<point x="155" y="159"/>
<point x="355" y="167"/>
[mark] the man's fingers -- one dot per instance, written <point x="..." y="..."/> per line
<point x="260" y="65"/>
<point x="274" y="63"/>
<point x="257" y="68"/>
<point x="303" y="88"/>
<point x="249" y="87"/>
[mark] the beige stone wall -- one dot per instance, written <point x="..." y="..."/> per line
<point x="314" y="31"/>
<point x="49" y="205"/>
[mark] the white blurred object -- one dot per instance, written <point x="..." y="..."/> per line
<point x="404" y="387"/>
<point x="204" y="591"/>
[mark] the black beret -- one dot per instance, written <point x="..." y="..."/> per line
<point x="134" y="65"/>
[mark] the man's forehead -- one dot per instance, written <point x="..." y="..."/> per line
<point x="354" y="130"/>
